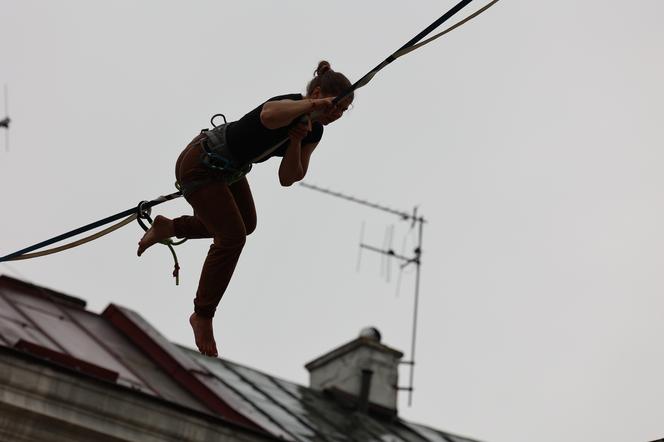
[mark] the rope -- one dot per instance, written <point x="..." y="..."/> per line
<point x="410" y="46"/>
<point x="440" y="34"/>
<point x="145" y="213"/>
<point x="81" y="241"/>
<point x="94" y="225"/>
<point x="143" y="209"/>
<point x="136" y="213"/>
<point x="415" y="43"/>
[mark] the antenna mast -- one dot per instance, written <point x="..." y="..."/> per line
<point x="5" y="123"/>
<point x="416" y="259"/>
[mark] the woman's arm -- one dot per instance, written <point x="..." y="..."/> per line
<point x="305" y="156"/>
<point x="276" y="114"/>
<point x="290" y="169"/>
<point x="295" y="163"/>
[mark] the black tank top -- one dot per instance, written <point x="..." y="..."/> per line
<point x="248" y="139"/>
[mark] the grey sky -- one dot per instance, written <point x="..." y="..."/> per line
<point x="531" y="139"/>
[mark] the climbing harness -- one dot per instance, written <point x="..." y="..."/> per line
<point x="218" y="157"/>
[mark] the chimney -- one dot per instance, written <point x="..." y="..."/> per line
<point x="362" y="373"/>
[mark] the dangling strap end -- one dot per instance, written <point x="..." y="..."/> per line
<point x="176" y="273"/>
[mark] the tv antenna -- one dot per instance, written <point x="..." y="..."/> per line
<point x="5" y="123"/>
<point x="415" y="259"/>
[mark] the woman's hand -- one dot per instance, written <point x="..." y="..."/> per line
<point x="322" y="105"/>
<point x="300" y="130"/>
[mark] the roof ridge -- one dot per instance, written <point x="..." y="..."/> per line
<point x="42" y="292"/>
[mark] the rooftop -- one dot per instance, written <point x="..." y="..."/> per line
<point x="124" y="352"/>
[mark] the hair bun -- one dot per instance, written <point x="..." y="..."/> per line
<point x="322" y="68"/>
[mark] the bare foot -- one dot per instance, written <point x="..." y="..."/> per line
<point x="161" y="229"/>
<point x="203" y="335"/>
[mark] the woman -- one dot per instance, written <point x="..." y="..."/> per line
<point x="211" y="172"/>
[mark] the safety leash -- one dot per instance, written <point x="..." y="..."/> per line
<point x="132" y="213"/>
<point x="71" y="245"/>
<point x="143" y="212"/>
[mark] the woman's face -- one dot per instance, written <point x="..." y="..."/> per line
<point x="335" y="113"/>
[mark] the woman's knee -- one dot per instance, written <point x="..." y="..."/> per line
<point x="250" y="225"/>
<point x="235" y="240"/>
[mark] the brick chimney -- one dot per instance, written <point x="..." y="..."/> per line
<point x="362" y="373"/>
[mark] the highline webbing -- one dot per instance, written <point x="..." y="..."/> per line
<point x="410" y="46"/>
<point x="145" y="205"/>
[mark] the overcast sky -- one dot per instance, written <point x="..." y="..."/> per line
<point x="531" y="139"/>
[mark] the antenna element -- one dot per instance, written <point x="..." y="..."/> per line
<point x="416" y="259"/>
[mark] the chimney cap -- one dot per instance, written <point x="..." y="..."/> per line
<point x="371" y="333"/>
<point x="369" y="336"/>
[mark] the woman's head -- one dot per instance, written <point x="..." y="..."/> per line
<point x="329" y="83"/>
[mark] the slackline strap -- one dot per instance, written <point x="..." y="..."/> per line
<point x="94" y="225"/>
<point x="71" y="245"/>
<point x="414" y="43"/>
<point x="135" y="212"/>
<point x="411" y="45"/>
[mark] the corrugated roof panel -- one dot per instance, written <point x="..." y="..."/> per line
<point x="12" y="327"/>
<point x="435" y="435"/>
<point x="454" y="438"/>
<point x="313" y="409"/>
<point x="318" y="412"/>
<point x="259" y="400"/>
<point x="75" y="340"/>
<point x="69" y="330"/>
<point x="36" y="302"/>
<point x="149" y="377"/>
<point x="16" y="325"/>
<point x="405" y="432"/>
<point x="159" y="339"/>
<point x="196" y="379"/>
<point x="382" y="430"/>
<point x="280" y="399"/>
<point x="242" y="405"/>
<point x="426" y="433"/>
<point x="288" y="401"/>
<point x="121" y="341"/>
<point x="72" y="339"/>
<point x="389" y="438"/>
<point x="325" y="411"/>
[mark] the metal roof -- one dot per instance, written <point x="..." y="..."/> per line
<point x="120" y="347"/>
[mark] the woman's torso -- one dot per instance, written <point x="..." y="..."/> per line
<point x="248" y="139"/>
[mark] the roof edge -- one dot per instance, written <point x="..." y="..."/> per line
<point x="60" y="368"/>
<point x="116" y="317"/>
<point x="350" y="346"/>
<point x="42" y="292"/>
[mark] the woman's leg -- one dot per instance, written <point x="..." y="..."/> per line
<point x="225" y="213"/>
<point x="245" y="202"/>
<point x="217" y="210"/>
<point x="191" y="227"/>
<point x="188" y="168"/>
